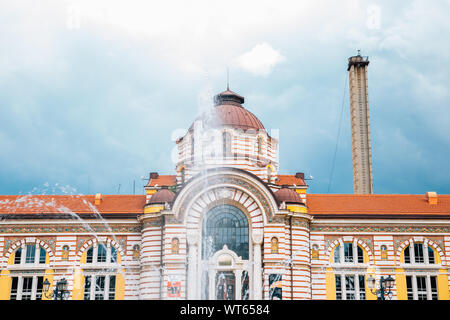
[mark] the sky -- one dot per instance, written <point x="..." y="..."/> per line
<point x="94" y="93"/>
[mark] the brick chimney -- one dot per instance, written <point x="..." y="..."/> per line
<point x="98" y="199"/>
<point x="432" y="197"/>
<point x="154" y="175"/>
<point x="300" y="175"/>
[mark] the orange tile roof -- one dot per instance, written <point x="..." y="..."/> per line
<point x="290" y="179"/>
<point x="79" y="204"/>
<point x="162" y="180"/>
<point x="376" y="205"/>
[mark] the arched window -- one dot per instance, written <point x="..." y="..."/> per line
<point x="349" y="285"/>
<point x="420" y="286"/>
<point x="259" y="145"/>
<point x="27" y="282"/>
<point x="30" y="254"/>
<point x="225" y="225"/>
<point x="226" y="144"/>
<point x="183" y="175"/>
<point x="100" y="284"/>
<point x="417" y="252"/>
<point x="175" y="246"/>
<point x="274" y="245"/>
<point x="383" y="250"/>
<point x="101" y="253"/>
<point x="269" y="174"/>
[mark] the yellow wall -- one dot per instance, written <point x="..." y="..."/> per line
<point x="78" y="281"/>
<point x="330" y="282"/>
<point x="153" y="209"/>
<point x="6" y="279"/>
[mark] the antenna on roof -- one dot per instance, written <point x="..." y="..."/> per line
<point x="228" y="78"/>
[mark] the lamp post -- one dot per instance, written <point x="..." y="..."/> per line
<point x="386" y="284"/>
<point x="60" y="292"/>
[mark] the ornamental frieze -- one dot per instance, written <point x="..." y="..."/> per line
<point x="69" y="229"/>
<point x="50" y="241"/>
<point x="301" y="223"/>
<point x="383" y="229"/>
<point x="152" y="223"/>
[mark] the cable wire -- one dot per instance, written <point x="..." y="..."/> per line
<point x="338" y="134"/>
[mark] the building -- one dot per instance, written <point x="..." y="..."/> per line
<point x="225" y="225"/>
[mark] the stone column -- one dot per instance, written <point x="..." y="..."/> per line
<point x="238" y="284"/>
<point x="257" y="238"/>
<point x="192" y="240"/>
<point x="212" y="284"/>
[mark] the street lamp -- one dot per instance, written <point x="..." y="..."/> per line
<point x="60" y="292"/>
<point x="386" y="284"/>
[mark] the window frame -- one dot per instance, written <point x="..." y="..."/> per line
<point x="35" y="292"/>
<point x="107" y="291"/>
<point x="413" y="290"/>
<point x="92" y="260"/>
<point x="38" y="258"/>
<point x="342" y="257"/>
<point x="410" y="258"/>
<point x="342" y="292"/>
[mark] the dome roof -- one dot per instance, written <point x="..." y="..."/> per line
<point x="162" y="196"/>
<point x="288" y="196"/>
<point x="228" y="111"/>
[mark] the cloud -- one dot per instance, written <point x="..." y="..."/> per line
<point x="260" y="60"/>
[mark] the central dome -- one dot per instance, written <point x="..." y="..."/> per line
<point x="228" y="111"/>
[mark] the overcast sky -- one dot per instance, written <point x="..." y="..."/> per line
<point x="92" y="93"/>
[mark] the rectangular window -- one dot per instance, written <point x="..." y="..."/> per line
<point x="18" y="256"/>
<point x="27" y="288"/>
<point x="100" y="288"/>
<point x="434" y="292"/>
<point x="338" y="287"/>
<point x="87" y="287"/>
<point x="40" y="282"/>
<point x="430" y="255"/>
<point x="409" y="288"/>
<point x="90" y="255"/>
<point x="275" y="287"/>
<point x="360" y="255"/>
<point x="362" y="288"/>
<point x="112" y="288"/>
<point x="348" y="252"/>
<point x="113" y="255"/>
<point x="42" y="255"/>
<point x="337" y="254"/>
<point x="30" y="253"/>
<point x="407" y="255"/>
<point x="421" y="288"/>
<point x="350" y="287"/>
<point x="101" y="253"/>
<point x="14" y="283"/>
<point x="418" y="253"/>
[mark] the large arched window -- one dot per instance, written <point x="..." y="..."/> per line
<point x="226" y="144"/>
<point x="225" y="225"/>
